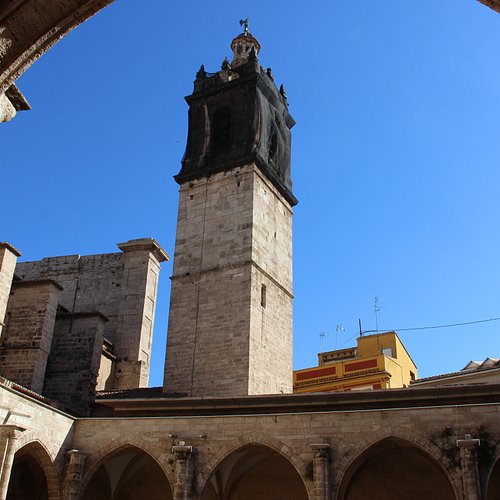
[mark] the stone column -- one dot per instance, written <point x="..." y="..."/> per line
<point x="470" y="472"/>
<point x="8" y="436"/>
<point x="321" y="471"/>
<point x="183" y="472"/>
<point x="73" y="474"/>
<point x="136" y="311"/>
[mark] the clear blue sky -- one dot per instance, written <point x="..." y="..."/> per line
<point x="395" y="156"/>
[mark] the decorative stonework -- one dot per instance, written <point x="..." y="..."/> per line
<point x="321" y="471"/>
<point x="470" y="473"/>
<point x="8" y="437"/>
<point x="183" y="471"/>
<point x="49" y="22"/>
<point x="74" y="474"/>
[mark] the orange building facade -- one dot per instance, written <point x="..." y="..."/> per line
<point x="377" y="362"/>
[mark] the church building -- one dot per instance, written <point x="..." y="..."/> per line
<point x="79" y="421"/>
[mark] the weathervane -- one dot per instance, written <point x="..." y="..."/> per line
<point x="244" y="22"/>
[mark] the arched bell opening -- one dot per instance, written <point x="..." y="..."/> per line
<point x="254" y="473"/>
<point x="394" y="469"/>
<point x="126" y="475"/>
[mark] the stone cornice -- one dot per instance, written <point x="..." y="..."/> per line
<point x="8" y="246"/>
<point x="392" y="399"/>
<point x="141" y="244"/>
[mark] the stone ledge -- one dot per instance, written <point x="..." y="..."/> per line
<point x="33" y="283"/>
<point x="75" y="315"/>
<point x="141" y="244"/>
<point x="151" y="402"/>
<point x="8" y="246"/>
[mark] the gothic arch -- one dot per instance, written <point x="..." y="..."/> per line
<point x="346" y="467"/>
<point x="94" y="461"/>
<point x="492" y="486"/>
<point x="416" y="439"/>
<point x="258" y="440"/>
<point x="138" y="467"/>
<point x="39" y="453"/>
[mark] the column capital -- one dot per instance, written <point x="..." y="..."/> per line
<point x="74" y="473"/>
<point x="76" y="456"/>
<point x="11" y="431"/>
<point x="182" y="451"/>
<point x="320" y="450"/>
<point x="468" y="442"/>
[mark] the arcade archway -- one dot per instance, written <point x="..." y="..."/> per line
<point x="253" y="473"/>
<point x="28" y="479"/>
<point x="127" y="475"/>
<point x="394" y="469"/>
<point x="493" y="491"/>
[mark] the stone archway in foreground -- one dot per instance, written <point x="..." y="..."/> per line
<point x="128" y="474"/>
<point x="255" y="472"/>
<point x="32" y="476"/>
<point x="393" y="469"/>
<point x="28" y="28"/>
<point x="493" y="487"/>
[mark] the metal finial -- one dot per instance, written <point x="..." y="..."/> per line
<point x="244" y="22"/>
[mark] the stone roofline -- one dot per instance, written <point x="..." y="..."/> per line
<point x="138" y="244"/>
<point x="459" y="374"/>
<point x="55" y="406"/>
<point x="114" y="404"/>
<point x="8" y="246"/>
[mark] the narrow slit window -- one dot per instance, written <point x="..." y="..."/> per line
<point x="263" y="295"/>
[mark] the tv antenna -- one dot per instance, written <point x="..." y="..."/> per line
<point x="376" y="309"/>
<point x="338" y="329"/>
<point x="322" y="337"/>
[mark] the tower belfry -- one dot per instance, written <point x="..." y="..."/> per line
<point x="230" y="324"/>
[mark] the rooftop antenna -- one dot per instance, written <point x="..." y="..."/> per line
<point x="322" y="336"/>
<point x="376" y="308"/>
<point x="338" y="329"/>
<point x="360" y="329"/>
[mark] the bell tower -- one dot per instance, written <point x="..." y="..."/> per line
<point x="230" y="324"/>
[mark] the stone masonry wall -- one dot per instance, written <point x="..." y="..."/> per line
<point x="43" y="430"/>
<point x="27" y="337"/>
<point x="74" y="359"/>
<point x="90" y="283"/>
<point x="233" y="235"/>
<point x="121" y="286"/>
<point x="271" y="324"/>
<point x="207" y="342"/>
<point x="136" y="312"/>
<point x="347" y="434"/>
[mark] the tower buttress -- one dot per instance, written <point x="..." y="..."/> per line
<point x="230" y="323"/>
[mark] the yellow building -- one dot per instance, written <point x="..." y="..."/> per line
<point x="378" y="362"/>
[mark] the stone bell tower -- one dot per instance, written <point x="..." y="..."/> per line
<point x="230" y="324"/>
